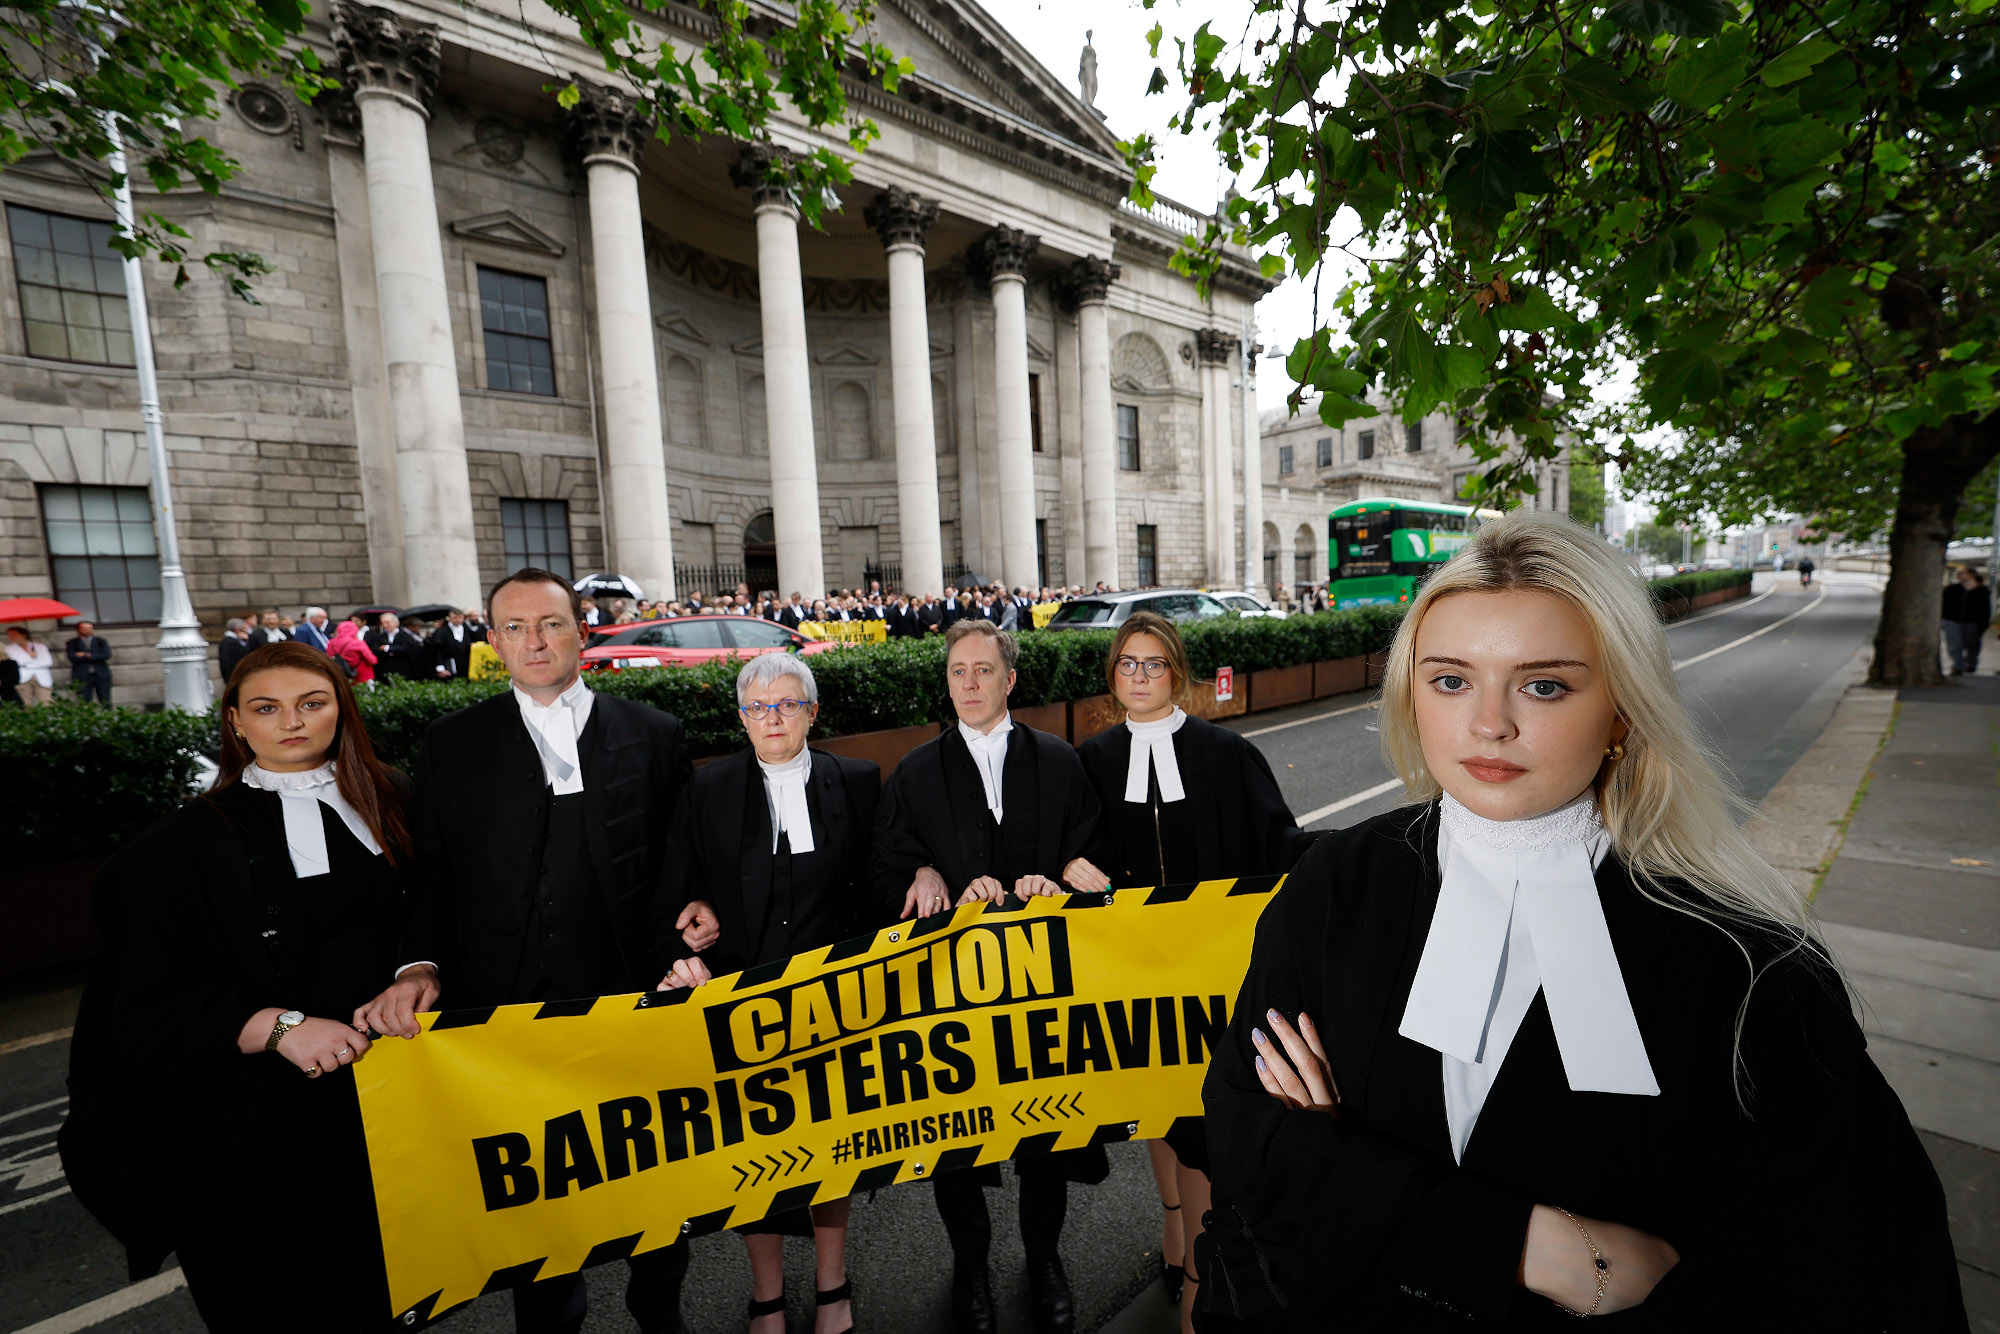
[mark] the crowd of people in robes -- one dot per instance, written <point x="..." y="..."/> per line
<point x="1550" y="1038"/>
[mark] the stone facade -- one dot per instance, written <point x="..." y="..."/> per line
<point x="317" y="458"/>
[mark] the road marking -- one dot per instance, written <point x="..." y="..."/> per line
<point x="50" y="1130"/>
<point x="27" y="1204"/>
<point x="1314" y="817"/>
<point x="1723" y="610"/>
<point x="39" y="1040"/>
<point x="1301" y="722"/>
<point x="107" y="1308"/>
<point x="1703" y="657"/>
<point x="38" y="1107"/>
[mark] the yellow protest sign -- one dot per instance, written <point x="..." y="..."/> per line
<point x="847" y="632"/>
<point x="541" y="1139"/>
<point x="1044" y="613"/>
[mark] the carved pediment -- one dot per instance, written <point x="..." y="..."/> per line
<point x="681" y="327"/>
<point x="940" y="347"/>
<point x="1038" y="350"/>
<point x="43" y="165"/>
<point x="846" y="354"/>
<point x="749" y="347"/>
<point x="508" y="228"/>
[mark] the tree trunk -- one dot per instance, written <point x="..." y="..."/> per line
<point x="1938" y="463"/>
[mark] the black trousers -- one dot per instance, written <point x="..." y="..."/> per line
<point x="961" y="1203"/>
<point x="652" y="1295"/>
<point x="98" y="683"/>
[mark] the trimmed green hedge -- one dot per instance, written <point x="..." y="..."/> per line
<point x="84" y="778"/>
<point x="1666" y="591"/>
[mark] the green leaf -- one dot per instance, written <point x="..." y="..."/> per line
<point x="1409" y="343"/>
<point x="1599" y="87"/>
<point x="1789" y="66"/>
<point x="1401" y="24"/>
<point x="1703" y="72"/>
<point x="1487" y="174"/>
<point x="1889" y="156"/>
<point x="1531" y="310"/>
<point x="568" y="96"/>
<point x="1679" y="18"/>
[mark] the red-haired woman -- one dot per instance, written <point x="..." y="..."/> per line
<point x="212" y="1106"/>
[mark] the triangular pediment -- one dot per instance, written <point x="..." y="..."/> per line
<point x="749" y="347"/>
<point x="940" y="347"/>
<point x="1037" y="350"/>
<point x="44" y="165"/>
<point x="508" y="228"/>
<point x="846" y="354"/>
<point x="961" y="48"/>
<point x="681" y="327"/>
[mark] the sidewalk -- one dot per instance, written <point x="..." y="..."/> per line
<point x="1899" y="837"/>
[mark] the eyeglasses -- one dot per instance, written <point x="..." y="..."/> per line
<point x="784" y="708"/>
<point x="551" y="627"/>
<point x="1154" y="668"/>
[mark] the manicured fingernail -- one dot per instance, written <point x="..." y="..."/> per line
<point x="1261" y="1067"/>
<point x="1305" y="1020"/>
<point x="1257" y="1036"/>
<point x="1272" y="1015"/>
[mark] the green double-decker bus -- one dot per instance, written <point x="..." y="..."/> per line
<point x="1380" y="550"/>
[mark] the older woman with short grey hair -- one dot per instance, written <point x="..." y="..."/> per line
<point x="776" y="838"/>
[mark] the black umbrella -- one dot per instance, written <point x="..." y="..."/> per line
<point x="372" y="612"/>
<point x="430" y="611"/>
<point x="608" y="586"/>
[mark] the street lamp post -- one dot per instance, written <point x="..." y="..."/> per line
<point x="183" y="652"/>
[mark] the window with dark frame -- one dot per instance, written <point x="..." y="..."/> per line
<point x="1128" y="437"/>
<point x="1042" y="552"/>
<point x="72" y="287"/>
<point x="1284" y="460"/>
<point x="1149" y="555"/>
<point x="1326" y="451"/>
<point x="1413" y="438"/>
<point x="101" y="552"/>
<point x="536" y="532"/>
<point x="1035" y="410"/>
<point x="1364" y="445"/>
<point x="514" y="312"/>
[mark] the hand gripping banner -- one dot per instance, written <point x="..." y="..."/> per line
<point x="533" y="1140"/>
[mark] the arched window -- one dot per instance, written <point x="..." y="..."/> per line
<point x="684" y="405"/>
<point x="853" y="423"/>
<point x="1302" y="554"/>
<point x="1273" y="546"/>
<point x="760" y="553"/>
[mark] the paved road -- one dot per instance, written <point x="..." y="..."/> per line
<point x="1763" y="676"/>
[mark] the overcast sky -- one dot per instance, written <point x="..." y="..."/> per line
<point x="1190" y="171"/>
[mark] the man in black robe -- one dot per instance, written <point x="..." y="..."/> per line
<point x="990" y="808"/>
<point x="451" y="647"/>
<point x="398" y="652"/>
<point x="541" y="830"/>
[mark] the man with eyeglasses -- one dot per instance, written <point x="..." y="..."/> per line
<point x="987" y="809"/>
<point x="777" y="838"/>
<point x="541" y="826"/>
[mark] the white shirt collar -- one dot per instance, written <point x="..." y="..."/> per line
<point x="785" y="790"/>
<point x="1533" y="881"/>
<point x="300" y="796"/>
<point x="989" y="756"/>
<point x="1154" y="743"/>
<point x="555" y="730"/>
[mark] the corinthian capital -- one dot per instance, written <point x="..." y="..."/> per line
<point x="607" y="122"/>
<point x="901" y="217"/>
<point x="765" y="171"/>
<point x="1003" y="252"/>
<point x="380" y="51"/>
<point x="1087" y="279"/>
<point x="1215" y="346"/>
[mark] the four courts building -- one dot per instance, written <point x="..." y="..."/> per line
<point x="497" y="332"/>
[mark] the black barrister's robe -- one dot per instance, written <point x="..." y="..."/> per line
<point x="178" y="1141"/>
<point x="1234" y="815"/>
<point x="934" y="813"/>
<point x="1817" y="1211"/>
<point x="483" y="820"/>
<point x="722" y="855"/>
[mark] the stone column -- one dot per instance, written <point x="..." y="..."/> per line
<point x="787" y="371"/>
<point x="1214" y="348"/>
<point x="390" y="65"/>
<point x="1253" y="479"/>
<point x="1090" y="282"/>
<point x="1003" y="253"/>
<point x="903" y="219"/>
<point x="608" y="133"/>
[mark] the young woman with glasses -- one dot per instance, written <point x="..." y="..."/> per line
<point x="1184" y="800"/>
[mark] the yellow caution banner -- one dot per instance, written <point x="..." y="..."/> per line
<point x="847" y="632"/>
<point x="528" y="1141"/>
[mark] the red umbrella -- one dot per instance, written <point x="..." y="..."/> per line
<point x="35" y="609"/>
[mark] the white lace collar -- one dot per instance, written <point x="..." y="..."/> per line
<point x="300" y="795"/>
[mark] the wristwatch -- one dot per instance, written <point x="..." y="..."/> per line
<point x="287" y="1021"/>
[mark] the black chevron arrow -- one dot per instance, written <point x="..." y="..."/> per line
<point x="808" y="1153"/>
<point x="742" y="1177"/>
<point x="775" y="1165"/>
<point x="791" y="1158"/>
<point x="759" y="1168"/>
<point x="1016" y="1114"/>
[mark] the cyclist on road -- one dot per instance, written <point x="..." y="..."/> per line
<point x="1805" y="571"/>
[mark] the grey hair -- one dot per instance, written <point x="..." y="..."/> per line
<point x="311" y="610"/>
<point x="237" y="623"/>
<point x="765" y="668"/>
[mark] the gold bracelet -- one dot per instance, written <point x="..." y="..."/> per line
<point x="1603" y="1265"/>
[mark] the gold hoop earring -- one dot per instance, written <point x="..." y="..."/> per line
<point x="1615" y="751"/>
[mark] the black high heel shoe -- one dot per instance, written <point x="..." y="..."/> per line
<point x="843" y="1293"/>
